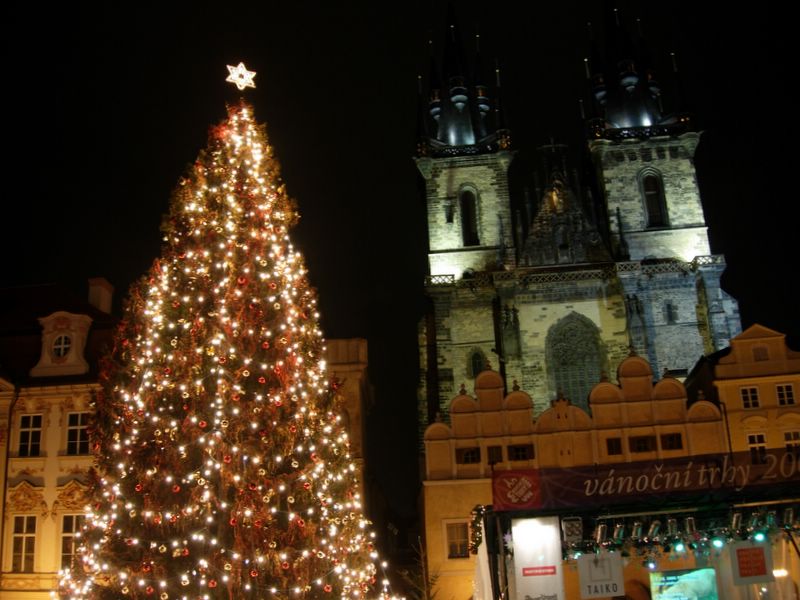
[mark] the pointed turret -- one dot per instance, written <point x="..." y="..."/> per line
<point x="561" y="232"/>
<point x="460" y="99"/>
<point x="626" y="92"/>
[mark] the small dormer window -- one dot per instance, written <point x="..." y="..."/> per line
<point x="61" y="346"/>
<point x="760" y="353"/>
<point x="64" y="338"/>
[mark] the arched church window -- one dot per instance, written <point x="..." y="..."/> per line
<point x="575" y="358"/>
<point x="654" y="202"/>
<point x="476" y="363"/>
<point x="469" y="218"/>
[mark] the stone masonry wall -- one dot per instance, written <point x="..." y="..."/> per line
<point x="620" y="168"/>
<point x="487" y="176"/>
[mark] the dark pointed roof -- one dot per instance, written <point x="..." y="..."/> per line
<point x="561" y="233"/>
<point x="460" y="119"/>
<point x="627" y="94"/>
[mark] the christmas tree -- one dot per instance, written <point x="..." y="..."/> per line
<point x="223" y="466"/>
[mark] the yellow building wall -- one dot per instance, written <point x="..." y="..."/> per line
<point x="47" y="486"/>
<point x="446" y="502"/>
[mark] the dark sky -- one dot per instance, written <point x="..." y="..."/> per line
<point x="106" y="105"/>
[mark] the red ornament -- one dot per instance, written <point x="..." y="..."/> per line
<point x="202" y="424"/>
<point x="173" y="519"/>
<point x="253" y="573"/>
<point x="262" y="380"/>
<point x="185" y="407"/>
<point x="227" y="458"/>
<point x="222" y="360"/>
<point x="306" y="485"/>
<point x="265" y="345"/>
<point x="232" y="522"/>
<point x="252" y="486"/>
<point x="138" y="487"/>
<point x="212" y="583"/>
<point x="301" y="523"/>
<point x="273" y="285"/>
<point x="257" y="523"/>
<point x="146" y="567"/>
<point x="278" y="402"/>
<point x="157" y="519"/>
<point x="176" y="488"/>
<point x="285" y="564"/>
<point x="242" y="280"/>
<point x="292" y="428"/>
<point x="185" y="552"/>
<point x="235" y="397"/>
<point x="327" y="587"/>
<point x="149" y="590"/>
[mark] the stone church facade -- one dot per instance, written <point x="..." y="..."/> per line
<point x="553" y="296"/>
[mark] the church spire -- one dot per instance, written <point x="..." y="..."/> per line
<point x="627" y="94"/>
<point x="460" y="99"/>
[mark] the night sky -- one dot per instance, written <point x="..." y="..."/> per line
<point x="106" y="106"/>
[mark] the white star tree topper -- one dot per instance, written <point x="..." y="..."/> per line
<point x="240" y="76"/>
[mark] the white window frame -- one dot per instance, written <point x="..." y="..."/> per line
<point x="27" y="538"/>
<point x="446" y="524"/>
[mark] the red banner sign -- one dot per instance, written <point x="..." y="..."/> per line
<point x="617" y="483"/>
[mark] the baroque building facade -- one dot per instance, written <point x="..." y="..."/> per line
<point x="51" y="342"/>
<point x="668" y="479"/>
<point x="555" y="292"/>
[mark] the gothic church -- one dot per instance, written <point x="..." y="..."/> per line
<point x="555" y="293"/>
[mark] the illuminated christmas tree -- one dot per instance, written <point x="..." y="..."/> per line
<point x="223" y="466"/>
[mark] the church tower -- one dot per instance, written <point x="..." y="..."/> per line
<point x="463" y="154"/>
<point x="644" y="161"/>
<point x="558" y="298"/>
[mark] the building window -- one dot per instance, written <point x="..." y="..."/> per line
<point x="468" y="456"/>
<point x="655" y="205"/>
<point x="457" y="540"/>
<point x="642" y="443"/>
<point x="24" y="544"/>
<point x="670" y="312"/>
<point x="70" y="536"/>
<point x="520" y="452"/>
<point x="792" y="441"/>
<point x="77" y="433"/>
<point x="61" y="346"/>
<point x="614" y="446"/>
<point x="760" y="353"/>
<point x="672" y="441"/>
<point x="757" y="443"/>
<point x="469" y="218"/>
<point x="476" y="363"/>
<point x="30" y="435"/>
<point x="495" y="454"/>
<point x="749" y="397"/>
<point x="575" y="358"/>
<point x="785" y="392"/>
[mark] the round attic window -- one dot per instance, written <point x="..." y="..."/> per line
<point x="61" y="346"/>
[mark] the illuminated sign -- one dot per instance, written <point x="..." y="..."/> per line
<point x="684" y="584"/>
<point x="751" y="562"/>
<point x="537" y="558"/>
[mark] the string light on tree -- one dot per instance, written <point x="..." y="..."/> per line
<point x="223" y="465"/>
